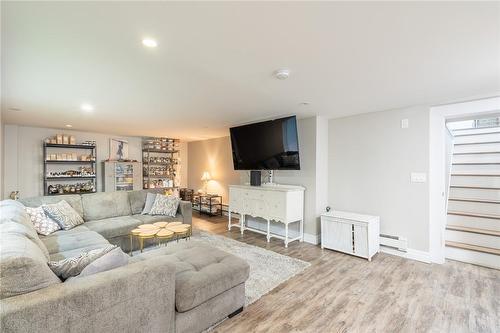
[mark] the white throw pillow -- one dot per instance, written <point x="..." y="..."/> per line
<point x="43" y="224"/>
<point x="165" y="205"/>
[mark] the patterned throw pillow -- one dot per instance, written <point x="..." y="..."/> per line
<point x="63" y="214"/>
<point x="43" y="224"/>
<point x="73" y="266"/>
<point x="165" y="205"/>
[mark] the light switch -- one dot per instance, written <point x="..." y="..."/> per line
<point x="404" y="123"/>
<point x="418" y="177"/>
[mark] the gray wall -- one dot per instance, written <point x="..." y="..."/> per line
<point x="370" y="161"/>
<point x="23" y="162"/>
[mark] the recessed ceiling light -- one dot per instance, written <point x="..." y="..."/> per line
<point x="69" y="126"/>
<point x="282" y="74"/>
<point x="304" y="103"/>
<point x="87" y="107"/>
<point x="149" y="42"/>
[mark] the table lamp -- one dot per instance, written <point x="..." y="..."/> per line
<point x="206" y="177"/>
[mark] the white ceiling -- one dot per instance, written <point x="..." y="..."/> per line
<point x="214" y="63"/>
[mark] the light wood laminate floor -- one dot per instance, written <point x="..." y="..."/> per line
<point x="342" y="293"/>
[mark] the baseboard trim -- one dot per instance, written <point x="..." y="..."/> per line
<point x="311" y="239"/>
<point x="412" y="254"/>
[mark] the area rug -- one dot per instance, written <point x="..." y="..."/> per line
<point x="268" y="269"/>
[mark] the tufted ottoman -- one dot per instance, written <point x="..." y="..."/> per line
<point x="209" y="283"/>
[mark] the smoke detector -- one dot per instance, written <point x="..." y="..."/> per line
<point x="282" y="74"/>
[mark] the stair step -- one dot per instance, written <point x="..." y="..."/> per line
<point x="478" y="153"/>
<point x="484" y="216"/>
<point x="473" y="222"/>
<point x="471" y="247"/>
<point x="475" y="200"/>
<point x="475" y="187"/>
<point x="476" y="143"/>
<point x="475" y="163"/>
<point x="486" y="129"/>
<point x="472" y="257"/>
<point x="480" y="133"/>
<point x="475" y="174"/>
<point x="473" y="230"/>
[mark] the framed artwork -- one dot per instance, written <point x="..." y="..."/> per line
<point x="118" y="149"/>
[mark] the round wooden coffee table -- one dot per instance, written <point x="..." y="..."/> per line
<point x="159" y="230"/>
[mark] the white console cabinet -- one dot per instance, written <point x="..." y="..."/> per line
<point x="350" y="233"/>
<point x="278" y="203"/>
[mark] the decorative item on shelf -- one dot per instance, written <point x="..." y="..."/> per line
<point x="205" y="178"/>
<point x="89" y="143"/>
<point x="82" y="172"/>
<point x="88" y="187"/>
<point x="61" y="139"/>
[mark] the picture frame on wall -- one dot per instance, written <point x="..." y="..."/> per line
<point x="118" y="149"/>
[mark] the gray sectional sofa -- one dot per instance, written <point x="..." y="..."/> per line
<point x="183" y="287"/>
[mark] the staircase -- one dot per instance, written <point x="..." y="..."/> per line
<point x="473" y="222"/>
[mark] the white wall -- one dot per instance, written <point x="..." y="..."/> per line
<point x="214" y="156"/>
<point x="370" y="161"/>
<point x="23" y="156"/>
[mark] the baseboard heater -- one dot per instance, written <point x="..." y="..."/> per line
<point x="394" y="242"/>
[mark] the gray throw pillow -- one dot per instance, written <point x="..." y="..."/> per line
<point x="165" y="205"/>
<point x="73" y="266"/>
<point x="111" y="260"/>
<point x="150" y="200"/>
<point x="65" y="215"/>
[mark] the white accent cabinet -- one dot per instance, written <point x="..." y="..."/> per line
<point x="350" y="233"/>
<point x="277" y="203"/>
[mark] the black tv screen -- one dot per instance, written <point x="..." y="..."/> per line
<point x="268" y="145"/>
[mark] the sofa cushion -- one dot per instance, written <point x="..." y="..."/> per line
<point x="102" y="205"/>
<point x="137" y="200"/>
<point x="157" y="218"/>
<point x="73" y="266"/>
<point x="65" y="215"/>
<point x="14" y="219"/>
<point x="23" y="266"/>
<point x="148" y="205"/>
<point x="74" y="201"/>
<point x="165" y="205"/>
<point x="114" y="227"/>
<point x="64" y="241"/>
<point x="43" y="224"/>
<point x="111" y="260"/>
<point x="202" y="272"/>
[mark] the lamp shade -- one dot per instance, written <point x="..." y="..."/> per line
<point x="206" y="176"/>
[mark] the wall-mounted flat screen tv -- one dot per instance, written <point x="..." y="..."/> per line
<point x="267" y="145"/>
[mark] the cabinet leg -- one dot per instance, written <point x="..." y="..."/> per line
<point x="286" y="235"/>
<point x="301" y="230"/>
<point x="268" y="230"/>
<point x="229" y="223"/>
<point x="242" y="223"/>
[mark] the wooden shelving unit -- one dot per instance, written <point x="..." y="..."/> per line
<point x="161" y="163"/>
<point x="69" y="181"/>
